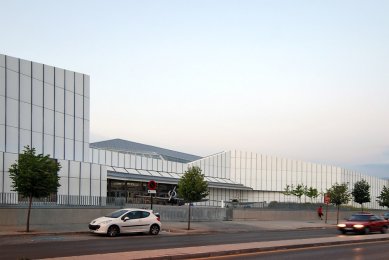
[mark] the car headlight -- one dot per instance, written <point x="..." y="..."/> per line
<point x="341" y="225"/>
<point x="105" y="222"/>
<point x="359" y="226"/>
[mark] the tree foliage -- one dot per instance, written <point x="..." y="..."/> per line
<point x="192" y="187"/>
<point x="361" y="192"/>
<point x="312" y="193"/>
<point x="34" y="176"/>
<point x="299" y="191"/>
<point x="383" y="199"/>
<point x="339" y="195"/>
<point x="287" y="190"/>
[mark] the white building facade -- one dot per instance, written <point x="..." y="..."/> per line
<point x="47" y="108"/>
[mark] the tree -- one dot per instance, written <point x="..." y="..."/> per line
<point x="312" y="193"/>
<point x="361" y="192"/>
<point x="34" y="176"/>
<point x="192" y="187"/>
<point x="339" y="195"/>
<point x="383" y="199"/>
<point x="298" y="191"/>
<point x="287" y="190"/>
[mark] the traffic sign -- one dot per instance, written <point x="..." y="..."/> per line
<point x="152" y="185"/>
<point x="327" y="199"/>
<point x="152" y="191"/>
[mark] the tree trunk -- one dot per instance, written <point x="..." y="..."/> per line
<point x="337" y="215"/>
<point x="189" y="217"/>
<point x="28" y="214"/>
<point x="362" y="206"/>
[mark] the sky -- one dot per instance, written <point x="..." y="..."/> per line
<point x="303" y="79"/>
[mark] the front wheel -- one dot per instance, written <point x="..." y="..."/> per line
<point x="366" y="231"/>
<point x="113" y="231"/>
<point x="154" y="229"/>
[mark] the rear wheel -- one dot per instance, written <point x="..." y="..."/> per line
<point x="154" y="230"/>
<point x="113" y="231"/>
<point x="384" y="229"/>
<point x="366" y="230"/>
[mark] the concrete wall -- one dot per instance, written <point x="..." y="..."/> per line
<point x="303" y="215"/>
<point x="54" y="216"/>
<point x="16" y="217"/>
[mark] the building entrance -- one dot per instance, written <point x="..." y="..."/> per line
<point x="137" y="192"/>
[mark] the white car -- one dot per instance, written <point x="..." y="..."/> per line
<point x="127" y="221"/>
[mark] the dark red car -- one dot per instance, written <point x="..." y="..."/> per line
<point x="364" y="223"/>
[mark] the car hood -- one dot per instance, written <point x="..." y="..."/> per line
<point x="99" y="220"/>
<point x="351" y="223"/>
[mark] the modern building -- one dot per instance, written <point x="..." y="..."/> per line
<point x="47" y="108"/>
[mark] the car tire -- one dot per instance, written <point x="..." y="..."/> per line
<point x="366" y="231"/>
<point x="113" y="231"/>
<point x="154" y="230"/>
<point x="384" y="229"/>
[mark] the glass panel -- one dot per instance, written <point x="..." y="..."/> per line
<point x="48" y="146"/>
<point x="60" y="100"/>
<point x="143" y="172"/>
<point x="49" y="121"/>
<point x="175" y="175"/>
<point x="119" y="169"/>
<point x="37" y="92"/>
<point x="49" y="96"/>
<point x="132" y="171"/>
<point x="12" y="112"/>
<point x="25" y="115"/>
<point x="48" y="74"/>
<point x="154" y="173"/>
<point x="25" y="88"/>
<point x="165" y="174"/>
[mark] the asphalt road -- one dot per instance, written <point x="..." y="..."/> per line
<point x="360" y="251"/>
<point x="19" y="247"/>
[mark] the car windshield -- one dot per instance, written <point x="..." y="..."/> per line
<point x="116" y="214"/>
<point x="359" y="217"/>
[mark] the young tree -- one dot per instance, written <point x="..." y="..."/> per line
<point x="299" y="191"/>
<point x="34" y="176"/>
<point x="192" y="187"/>
<point x="312" y="193"/>
<point x="287" y="190"/>
<point x="361" y="192"/>
<point x="383" y="199"/>
<point x="339" y="195"/>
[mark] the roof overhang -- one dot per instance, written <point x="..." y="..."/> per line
<point x="145" y="178"/>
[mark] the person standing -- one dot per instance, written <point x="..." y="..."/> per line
<point x="320" y="212"/>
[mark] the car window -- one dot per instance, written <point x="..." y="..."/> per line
<point x="360" y="217"/>
<point x="145" y="214"/>
<point x="134" y="215"/>
<point x="131" y="215"/>
<point x="116" y="214"/>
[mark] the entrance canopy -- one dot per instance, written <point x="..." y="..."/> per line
<point x="167" y="177"/>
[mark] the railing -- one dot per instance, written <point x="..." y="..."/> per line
<point x="15" y="199"/>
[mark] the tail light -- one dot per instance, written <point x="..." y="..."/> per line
<point x="158" y="216"/>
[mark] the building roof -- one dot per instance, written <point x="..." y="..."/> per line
<point x="144" y="149"/>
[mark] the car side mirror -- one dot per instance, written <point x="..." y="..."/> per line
<point x="126" y="218"/>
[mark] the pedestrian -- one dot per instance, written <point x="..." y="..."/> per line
<point x="320" y="212"/>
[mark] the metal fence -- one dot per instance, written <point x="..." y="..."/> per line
<point x="55" y="200"/>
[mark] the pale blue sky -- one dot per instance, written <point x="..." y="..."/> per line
<point x="304" y="80"/>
